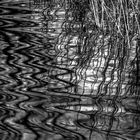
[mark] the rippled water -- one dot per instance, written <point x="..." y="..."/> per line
<point x="50" y="91"/>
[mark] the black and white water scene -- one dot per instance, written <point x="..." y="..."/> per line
<point x="69" y="69"/>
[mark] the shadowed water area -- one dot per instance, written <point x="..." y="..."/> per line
<point x="67" y="73"/>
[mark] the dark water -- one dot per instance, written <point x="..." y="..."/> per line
<point x="49" y="90"/>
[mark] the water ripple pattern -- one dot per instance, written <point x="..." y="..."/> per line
<point x="69" y="69"/>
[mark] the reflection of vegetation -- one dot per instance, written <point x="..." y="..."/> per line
<point x="117" y="20"/>
<point x="100" y="25"/>
<point x="107" y="32"/>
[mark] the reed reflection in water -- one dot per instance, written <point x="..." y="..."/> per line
<point x="69" y="70"/>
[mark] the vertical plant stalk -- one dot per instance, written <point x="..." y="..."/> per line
<point x="95" y="12"/>
<point x="102" y="20"/>
<point x="134" y="11"/>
